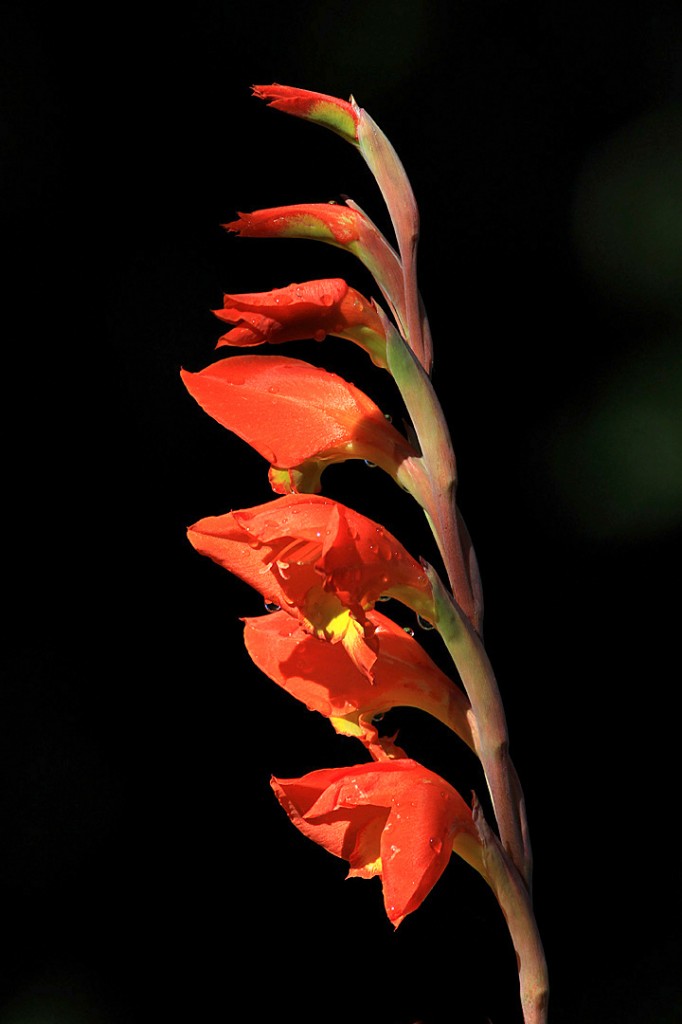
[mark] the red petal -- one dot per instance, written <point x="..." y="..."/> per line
<point x="328" y="221"/>
<point x="290" y="411"/>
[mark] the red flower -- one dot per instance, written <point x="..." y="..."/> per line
<point x="355" y="125"/>
<point x="394" y="819"/>
<point x="333" y="113"/>
<point x="299" y="417"/>
<point x="345" y="226"/>
<point x="322" y="676"/>
<point x="313" y="309"/>
<point x="328" y="222"/>
<point x="321" y="562"/>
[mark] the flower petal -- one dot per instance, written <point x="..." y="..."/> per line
<point x="392" y="818"/>
<point x="320" y="561"/>
<point x="291" y="412"/>
<point x="312" y="309"/>
<point x="345" y="226"/>
<point x="323" y="677"/>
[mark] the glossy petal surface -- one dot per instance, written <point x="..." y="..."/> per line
<point x="394" y="819"/>
<point x="291" y="412"/>
<point x="312" y="309"/>
<point x="320" y="561"/>
<point x="324" y="678"/>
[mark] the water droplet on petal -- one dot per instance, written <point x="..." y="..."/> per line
<point x="372" y="465"/>
<point x="424" y="623"/>
<point x="408" y="630"/>
<point x="384" y="597"/>
<point x="272" y="606"/>
<point x="379" y="717"/>
<point x="387" y="416"/>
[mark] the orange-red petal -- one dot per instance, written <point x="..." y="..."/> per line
<point x="391" y="818"/>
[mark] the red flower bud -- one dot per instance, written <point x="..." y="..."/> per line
<point x="313" y="309"/>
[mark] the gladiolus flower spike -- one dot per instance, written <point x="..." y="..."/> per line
<point x="324" y="566"/>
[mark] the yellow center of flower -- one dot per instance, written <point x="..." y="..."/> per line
<point x="328" y="618"/>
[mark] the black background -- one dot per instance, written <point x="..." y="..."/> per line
<point x="147" y="872"/>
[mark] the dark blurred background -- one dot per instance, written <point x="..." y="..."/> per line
<point x="147" y="872"/>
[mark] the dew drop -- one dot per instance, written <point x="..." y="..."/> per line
<point x="372" y="465"/>
<point x="384" y="597"/>
<point x="387" y="416"/>
<point x="379" y="717"/>
<point x="424" y="623"/>
<point x="408" y="630"/>
<point x="271" y="606"/>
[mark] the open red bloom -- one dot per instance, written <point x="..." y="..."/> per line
<point x="320" y="561"/>
<point x="313" y="309"/>
<point x="324" y="678"/>
<point x="301" y="418"/>
<point x="394" y="819"/>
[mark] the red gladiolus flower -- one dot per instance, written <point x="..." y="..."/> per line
<point x="394" y="819"/>
<point x="328" y="222"/>
<point x="301" y="418"/>
<point x="313" y="309"/>
<point x="323" y="677"/>
<point x="345" y="226"/>
<point x="340" y="116"/>
<point x="356" y="126"/>
<point x="320" y="561"/>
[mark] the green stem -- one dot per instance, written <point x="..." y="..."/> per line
<point x="488" y="725"/>
<point x="432" y="478"/>
<point x="516" y="905"/>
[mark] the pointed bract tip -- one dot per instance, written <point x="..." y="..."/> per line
<point x="338" y="115"/>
